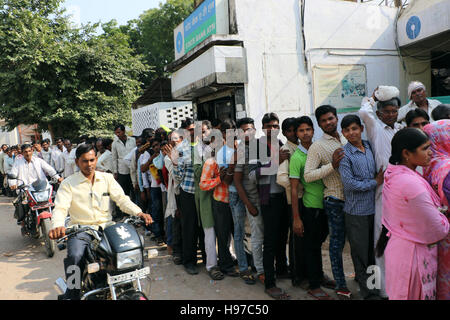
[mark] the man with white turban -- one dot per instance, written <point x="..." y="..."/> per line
<point x="418" y="95"/>
<point x="379" y="114"/>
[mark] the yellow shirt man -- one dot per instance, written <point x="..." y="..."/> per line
<point x="87" y="203"/>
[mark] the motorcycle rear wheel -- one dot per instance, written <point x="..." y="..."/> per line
<point x="50" y="245"/>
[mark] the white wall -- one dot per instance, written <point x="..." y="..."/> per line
<point x="279" y="81"/>
<point x="11" y="138"/>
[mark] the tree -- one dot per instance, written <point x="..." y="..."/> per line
<point x="152" y="34"/>
<point x="67" y="80"/>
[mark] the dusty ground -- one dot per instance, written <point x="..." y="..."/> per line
<point x="27" y="273"/>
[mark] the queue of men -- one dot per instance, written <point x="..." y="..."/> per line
<point x="201" y="185"/>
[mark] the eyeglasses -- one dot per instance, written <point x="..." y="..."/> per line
<point x="389" y="113"/>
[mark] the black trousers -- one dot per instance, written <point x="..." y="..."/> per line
<point x="223" y="227"/>
<point x="177" y="243"/>
<point x="74" y="264"/>
<point x="125" y="182"/>
<point x="297" y="262"/>
<point x="360" y="231"/>
<point x="315" y="223"/>
<point x="192" y="232"/>
<point x="276" y="220"/>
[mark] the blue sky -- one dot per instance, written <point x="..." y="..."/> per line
<point x="84" y="11"/>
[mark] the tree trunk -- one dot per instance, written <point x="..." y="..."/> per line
<point x="52" y="134"/>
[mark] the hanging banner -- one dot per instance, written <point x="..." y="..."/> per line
<point x="342" y="86"/>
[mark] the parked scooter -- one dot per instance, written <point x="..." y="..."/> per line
<point x="114" y="262"/>
<point x="34" y="210"/>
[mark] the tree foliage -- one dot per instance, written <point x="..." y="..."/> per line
<point x="65" y="79"/>
<point x="152" y="34"/>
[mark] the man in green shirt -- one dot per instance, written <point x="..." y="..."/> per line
<point x="308" y="217"/>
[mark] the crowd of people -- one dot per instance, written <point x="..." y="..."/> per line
<point x="203" y="183"/>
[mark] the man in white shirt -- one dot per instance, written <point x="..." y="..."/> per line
<point x="68" y="157"/>
<point x="2" y="170"/>
<point x="52" y="157"/>
<point x="120" y="148"/>
<point x="104" y="162"/>
<point x="29" y="169"/>
<point x="418" y="95"/>
<point x="381" y="128"/>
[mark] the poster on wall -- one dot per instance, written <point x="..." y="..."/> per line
<point x="342" y="86"/>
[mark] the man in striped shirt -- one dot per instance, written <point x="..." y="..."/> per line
<point x="360" y="180"/>
<point x="323" y="160"/>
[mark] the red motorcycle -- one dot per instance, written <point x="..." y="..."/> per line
<point x="34" y="211"/>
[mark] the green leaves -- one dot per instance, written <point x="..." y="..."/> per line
<point x="72" y="81"/>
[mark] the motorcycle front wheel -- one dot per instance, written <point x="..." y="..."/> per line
<point x="50" y="245"/>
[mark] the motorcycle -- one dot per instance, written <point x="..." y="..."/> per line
<point x="114" y="261"/>
<point x="34" y="209"/>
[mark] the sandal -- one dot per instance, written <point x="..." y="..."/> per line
<point x="215" y="273"/>
<point x="319" y="295"/>
<point x="278" y="294"/>
<point x="344" y="294"/>
<point x="232" y="272"/>
<point x="328" y="283"/>
<point x="248" y="277"/>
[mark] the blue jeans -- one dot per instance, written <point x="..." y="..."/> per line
<point x="155" y="212"/>
<point x="239" y="214"/>
<point x="169" y="221"/>
<point x="334" y="209"/>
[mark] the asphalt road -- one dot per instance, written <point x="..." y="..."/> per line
<point x="27" y="274"/>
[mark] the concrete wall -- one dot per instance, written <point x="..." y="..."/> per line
<point x="336" y="32"/>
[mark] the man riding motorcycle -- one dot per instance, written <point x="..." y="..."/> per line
<point x="29" y="169"/>
<point x="86" y="196"/>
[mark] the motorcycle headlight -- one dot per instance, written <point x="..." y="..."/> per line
<point x="41" y="196"/>
<point x="129" y="259"/>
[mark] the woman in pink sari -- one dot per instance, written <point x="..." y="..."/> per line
<point x="438" y="175"/>
<point x="411" y="220"/>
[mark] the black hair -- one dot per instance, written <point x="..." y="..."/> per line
<point x="227" y="124"/>
<point x="324" y="109"/>
<point x="186" y="123"/>
<point x="304" y="119"/>
<point x="57" y="139"/>
<point x="67" y="140"/>
<point x="216" y="122"/>
<point x="350" y="119"/>
<point x="416" y="113"/>
<point x="407" y="138"/>
<point x="207" y="123"/>
<point x="119" y="126"/>
<point x="25" y="146"/>
<point x="287" y="123"/>
<point x="107" y="142"/>
<point x="243" y="121"/>
<point x="46" y="141"/>
<point x="442" y="111"/>
<point x="84" y="148"/>
<point x="396" y="102"/>
<point x="268" y="117"/>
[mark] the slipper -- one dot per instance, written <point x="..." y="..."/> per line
<point x="231" y="272"/>
<point x="344" y="294"/>
<point x="278" y="295"/>
<point x="321" y="295"/>
<point x="215" y="273"/>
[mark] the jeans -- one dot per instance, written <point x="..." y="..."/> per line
<point x="276" y="226"/>
<point x="169" y="236"/>
<point x="334" y="209"/>
<point x="156" y="211"/>
<point x="238" y="211"/>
